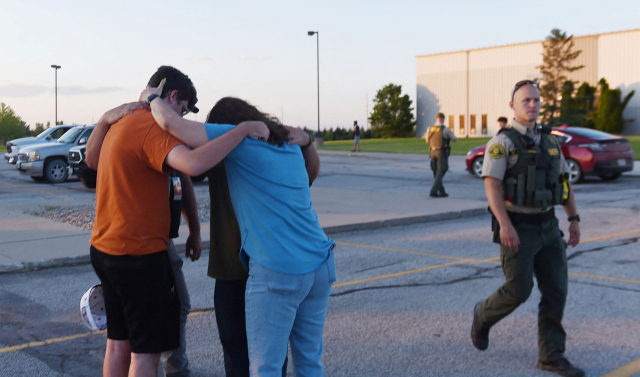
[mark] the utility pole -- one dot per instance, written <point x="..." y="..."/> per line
<point x="56" y="68"/>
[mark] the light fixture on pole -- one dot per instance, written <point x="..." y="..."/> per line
<point x="319" y="141"/>
<point x="56" y="68"/>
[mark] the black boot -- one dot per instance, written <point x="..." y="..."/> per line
<point x="479" y="333"/>
<point x="562" y="367"/>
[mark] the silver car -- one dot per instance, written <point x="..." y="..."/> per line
<point x="49" y="161"/>
<point x="47" y="136"/>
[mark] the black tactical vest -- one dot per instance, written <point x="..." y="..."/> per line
<point x="535" y="180"/>
<point x="438" y="144"/>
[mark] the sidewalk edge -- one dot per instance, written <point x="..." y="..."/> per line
<point x="85" y="259"/>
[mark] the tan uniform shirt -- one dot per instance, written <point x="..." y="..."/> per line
<point x="446" y="133"/>
<point x="498" y="158"/>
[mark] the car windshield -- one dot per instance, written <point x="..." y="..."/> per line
<point x="43" y="134"/>
<point x="70" y="136"/>
<point x="592" y="134"/>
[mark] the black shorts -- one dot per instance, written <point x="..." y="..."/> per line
<point x="141" y="302"/>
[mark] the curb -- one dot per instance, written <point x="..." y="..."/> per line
<point x="406" y="221"/>
<point x="86" y="259"/>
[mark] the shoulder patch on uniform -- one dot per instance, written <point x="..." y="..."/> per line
<point x="553" y="151"/>
<point x="497" y="151"/>
<point x="551" y="139"/>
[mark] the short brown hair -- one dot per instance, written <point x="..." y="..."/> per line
<point x="502" y="119"/>
<point x="440" y="116"/>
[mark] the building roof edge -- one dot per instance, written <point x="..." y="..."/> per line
<point x="521" y="44"/>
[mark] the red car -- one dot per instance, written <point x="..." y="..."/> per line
<point x="587" y="151"/>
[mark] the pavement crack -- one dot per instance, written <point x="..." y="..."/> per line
<point x="376" y="267"/>
<point x="623" y="242"/>
<point x="475" y="276"/>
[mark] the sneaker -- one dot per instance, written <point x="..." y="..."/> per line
<point x="562" y="367"/>
<point x="479" y="334"/>
<point x="434" y="195"/>
<point x="443" y="194"/>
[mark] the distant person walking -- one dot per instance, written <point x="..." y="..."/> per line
<point x="502" y="122"/>
<point x="438" y="137"/>
<point x="356" y="136"/>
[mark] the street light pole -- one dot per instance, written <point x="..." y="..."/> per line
<point x="56" y="68"/>
<point x="319" y="141"/>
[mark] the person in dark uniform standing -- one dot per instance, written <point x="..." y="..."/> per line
<point x="525" y="176"/>
<point x="438" y="137"/>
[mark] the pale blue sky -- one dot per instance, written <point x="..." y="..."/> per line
<point x="259" y="50"/>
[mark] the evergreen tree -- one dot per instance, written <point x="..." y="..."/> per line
<point x="392" y="114"/>
<point x="610" y="108"/>
<point x="557" y="57"/>
<point x="585" y="100"/>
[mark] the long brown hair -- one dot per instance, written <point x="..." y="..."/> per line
<point x="230" y="110"/>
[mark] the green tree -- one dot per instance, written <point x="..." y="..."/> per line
<point x="11" y="125"/>
<point x="40" y="128"/>
<point x="578" y="109"/>
<point x="608" y="115"/>
<point x="557" y="61"/>
<point x="392" y="114"/>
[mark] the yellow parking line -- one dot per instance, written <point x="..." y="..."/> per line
<point x="71" y="337"/>
<point x="49" y="341"/>
<point x="611" y="236"/>
<point x="36" y="190"/>
<point x="401" y="250"/>
<point x="604" y="277"/>
<point x="625" y="371"/>
<point x="401" y="273"/>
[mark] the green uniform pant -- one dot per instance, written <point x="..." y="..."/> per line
<point x="542" y="251"/>
<point x="439" y="165"/>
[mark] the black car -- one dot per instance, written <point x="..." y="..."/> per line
<point x="79" y="168"/>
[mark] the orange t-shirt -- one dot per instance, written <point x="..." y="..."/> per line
<point x="132" y="191"/>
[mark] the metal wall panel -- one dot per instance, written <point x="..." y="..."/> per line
<point x="588" y="58"/>
<point x="619" y="64"/>
<point x="492" y="74"/>
<point x="441" y="87"/>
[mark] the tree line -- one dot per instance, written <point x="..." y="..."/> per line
<point x="13" y="127"/>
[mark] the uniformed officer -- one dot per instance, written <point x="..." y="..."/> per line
<point x="438" y="137"/>
<point x="525" y="175"/>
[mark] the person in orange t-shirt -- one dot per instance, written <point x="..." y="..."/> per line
<point x="131" y="230"/>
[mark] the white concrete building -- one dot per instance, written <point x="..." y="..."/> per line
<point x="472" y="88"/>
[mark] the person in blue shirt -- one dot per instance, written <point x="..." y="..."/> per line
<point x="288" y="256"/>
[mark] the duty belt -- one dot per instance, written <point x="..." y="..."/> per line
<point x="531" y="218"/>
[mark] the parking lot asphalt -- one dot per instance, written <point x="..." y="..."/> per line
<point x="352" y="193"/>
<point x="402" y="303"/>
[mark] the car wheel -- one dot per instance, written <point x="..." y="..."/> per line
<point x="575" y="171"/>
<point x="199" y="178"/>
<point x="56" y="171"/>
<point x="476" y="166"/>
<point x="38" y="179"/>
<point x="88" y="183"/>
<point x="610" y="177"/>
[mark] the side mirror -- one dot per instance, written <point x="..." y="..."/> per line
<point x="83" y="140"/>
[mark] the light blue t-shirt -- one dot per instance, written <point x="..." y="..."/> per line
<point x="269" y="188"/>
